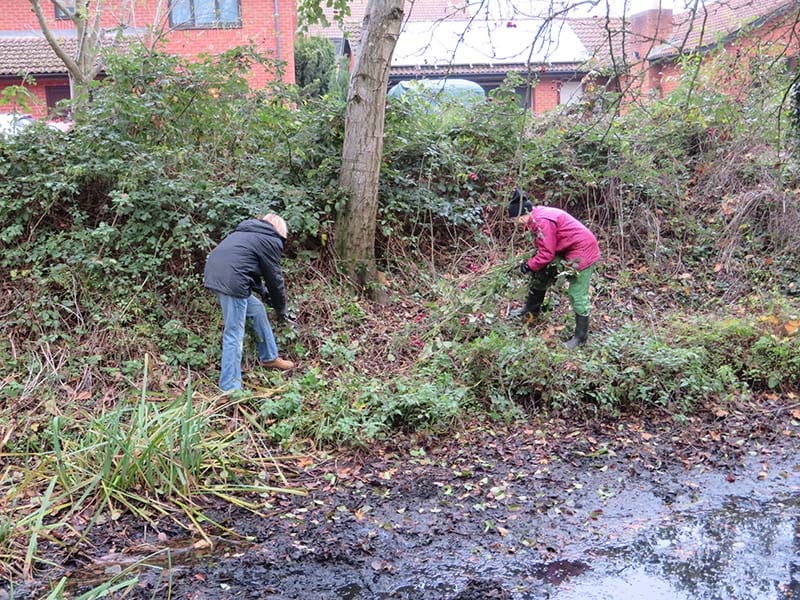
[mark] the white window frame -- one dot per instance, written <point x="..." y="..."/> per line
<point x="570" y="92"/>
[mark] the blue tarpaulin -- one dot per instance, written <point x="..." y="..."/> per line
<point x="439" y="90"/>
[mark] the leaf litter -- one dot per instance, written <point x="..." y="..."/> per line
<point x="493" y="513"/>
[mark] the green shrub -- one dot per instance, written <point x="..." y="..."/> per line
<point x="314" y="65"/>
<point x="759" y="351"/>
<point x="652" y="371"/>
<point x="628" y="369"/>
<point x="775" y="363"/>
<point x="355" y="409"/>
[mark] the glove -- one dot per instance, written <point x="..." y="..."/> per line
<point x="524" y="268"/>
<point x="264" y="293"/>
<point x="287" y="320"/>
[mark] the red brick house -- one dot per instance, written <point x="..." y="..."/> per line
<point x="443" y="39"/>
<point x="641" y="56"/>
<point x="186" y="28"/>
<point x="742" y="33"/>
<point x="554" y="57"/>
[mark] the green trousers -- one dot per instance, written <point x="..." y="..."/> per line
<point x="578" y="290"/>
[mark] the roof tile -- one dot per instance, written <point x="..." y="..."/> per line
<point x="32" y="55"/>
<point x="709" y="23"/>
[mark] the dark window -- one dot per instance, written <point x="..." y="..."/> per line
<point x="70" y="6"/>
<point x="54" y="95"/>
<point x="202" y="14"/>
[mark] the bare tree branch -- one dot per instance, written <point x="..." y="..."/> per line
<point x="68" y="61"/>
<point x="90" y="37"/>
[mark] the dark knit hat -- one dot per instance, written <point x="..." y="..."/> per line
<point x="519" y="205"/>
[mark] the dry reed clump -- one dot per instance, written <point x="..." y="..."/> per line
<point x="757" y="211"/>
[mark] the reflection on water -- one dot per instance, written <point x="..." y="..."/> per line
<point x="632" y="583"/>
<point x="742" y="550"/>
<point x="745" y="550"/>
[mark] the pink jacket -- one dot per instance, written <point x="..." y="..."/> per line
<point x="558" y="234"/>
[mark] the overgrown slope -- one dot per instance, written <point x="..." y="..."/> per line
<point x="110" y="344"/>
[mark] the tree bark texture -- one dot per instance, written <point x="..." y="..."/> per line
<point x="363" y="143"/>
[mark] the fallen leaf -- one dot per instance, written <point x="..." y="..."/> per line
<point x="305" y="461"/>
<point x="380" y="565"/>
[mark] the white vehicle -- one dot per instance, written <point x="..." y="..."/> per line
<point x="13" y="123"/>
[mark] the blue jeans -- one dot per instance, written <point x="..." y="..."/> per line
<point x="235" y="312"/>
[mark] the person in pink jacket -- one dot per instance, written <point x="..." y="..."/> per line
<point x="560" y="240"/>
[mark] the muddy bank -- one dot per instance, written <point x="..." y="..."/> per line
<point x="705" y="509"/>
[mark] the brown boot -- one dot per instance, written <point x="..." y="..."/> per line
<point x="279" y="363"/>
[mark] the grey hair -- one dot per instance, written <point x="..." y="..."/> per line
<point x="278" y="223"/>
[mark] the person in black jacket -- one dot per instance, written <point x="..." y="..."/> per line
<point x="248" y="260"/>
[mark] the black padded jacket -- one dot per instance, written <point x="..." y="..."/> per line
<point x="249" y="255"/>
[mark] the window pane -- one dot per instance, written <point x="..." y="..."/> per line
<point x="229" y="11"/>
<point x="204" y="12"/>
<point x="181" y="13"/>
<point x="70" y="6"/>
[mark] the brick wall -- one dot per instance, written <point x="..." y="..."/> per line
<point x="11" y="107"/>
<point x="649" y="29"/>
<point x="38" y="106"/>
<point x="774" y="40"/>
<point x="19" y="16"/>
<point x="545" y="96"/>
<point x="273" y="37"/>
<point x="670" y="76"/>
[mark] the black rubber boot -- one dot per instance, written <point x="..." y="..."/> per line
<point x="533" y="305"/>
<point x="581" y="332"/>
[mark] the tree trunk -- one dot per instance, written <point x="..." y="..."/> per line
<point x="363" y="143"/>
<point x="86" y="64"/>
